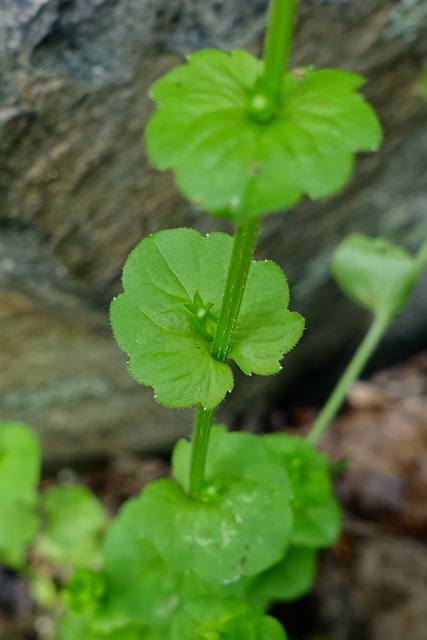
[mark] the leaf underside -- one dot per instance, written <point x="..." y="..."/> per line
<point x="136" y="573"/>
<point x="375" y="273"/>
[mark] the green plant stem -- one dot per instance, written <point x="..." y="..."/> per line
<point x="277" y="47"/>
<point x="352" y="372"/>
<point x="421" y="256"/>
<point x="201" y="431"/>
<point x="276" y="54"/>
<point x="240" y="262"/>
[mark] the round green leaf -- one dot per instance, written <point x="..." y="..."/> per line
<point x="224" y="619"/>
<point x="19" y="462"/>
<point x="140" y="584"/>
<point x="317" y="515"/>
<point x="73" y="522"/>
<point x="18" y="525"/>
<point x="375" y="273"/>
<point x="174" y="282"/>
<point x="241" y="522"/>
<point x="230" y="164"/>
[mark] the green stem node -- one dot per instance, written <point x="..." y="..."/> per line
<point x="267" y="93"/>
<point x="352" y="372"/>
<point x="238" y="270"/>
<point x="201" y="431"/>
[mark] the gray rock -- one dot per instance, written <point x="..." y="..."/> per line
<point x="77" y="194"/>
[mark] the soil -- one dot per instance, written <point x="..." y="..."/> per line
<point x="373" y="584"/>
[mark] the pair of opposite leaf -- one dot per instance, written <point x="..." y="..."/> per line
<point x="174" y="281"/>
<point x="231" y="164"/>
<point x="260" y="496"/>
<point x="234" y="165"/>
<point x="267" y="503"/>
<point x="169" y="277"/>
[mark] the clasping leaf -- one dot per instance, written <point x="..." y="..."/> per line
<point x="165" y="320"/>
<point x="241" y="522"/>
<point x="231" y="164"/>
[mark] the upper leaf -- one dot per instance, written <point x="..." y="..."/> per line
<point x="375" y="273"/>
<point x="230" y="164"/>
<point x="241" y="522"/>
<point x="174" y="282"/>
<point x="317" y="516"/>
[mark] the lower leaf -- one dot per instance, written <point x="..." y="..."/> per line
<point x="316" y="512"/>
<point x="241" y="522"/>
<point x="224" y="619"/>
<point x="139" y="584"/>
<point x="289" y="579"/>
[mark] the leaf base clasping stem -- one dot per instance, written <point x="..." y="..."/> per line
<point x="201" y="431"/>
<point x="267" y="94"/>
